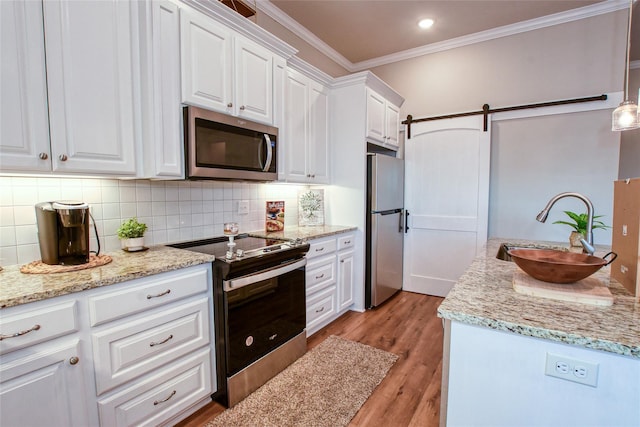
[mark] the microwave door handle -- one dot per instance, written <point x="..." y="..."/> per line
<point x="267" y="165"/>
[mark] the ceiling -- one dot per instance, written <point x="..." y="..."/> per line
<point x="362" y="31"/>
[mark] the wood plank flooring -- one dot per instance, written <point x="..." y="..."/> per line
<point x="406" y="325"/>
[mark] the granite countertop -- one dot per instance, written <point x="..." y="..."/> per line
<point x="484" y="296"/>
<point x="18" y="288"/>
<point x="312" y="232"/>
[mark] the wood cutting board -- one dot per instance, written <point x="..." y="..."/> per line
<point x="586" y="291"/>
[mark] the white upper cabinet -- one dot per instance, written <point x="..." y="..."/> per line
<point x="161" y="113"/>
<point x="24" y="138"/>
<point x="76" y="114"/>
<point x="223" y="71"/>
<point x="90" y="74"/>
<point x="206" y="62"/>
<point x="305" y="140"/>
<point x="383" y="126"/>
<point x="253" y="81"/>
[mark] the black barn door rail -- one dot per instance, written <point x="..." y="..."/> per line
<point x="486" y="111"/>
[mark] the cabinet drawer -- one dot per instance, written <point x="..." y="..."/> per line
<point x="320" y="274"/>
<point x="162" y="395"/>
<point x="28" y="327"/>
<point x="147" y="293"/>
<point x="135" y="348"/>
<point x="321" y="247"/>
<point x="347" y="241"/>
<point x="321" y="307"/>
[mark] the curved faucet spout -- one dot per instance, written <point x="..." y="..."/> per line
<point x="587" y="243"/>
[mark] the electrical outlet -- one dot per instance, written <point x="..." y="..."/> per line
<point x="243" y="207"/>
<point x="567" y="368"/>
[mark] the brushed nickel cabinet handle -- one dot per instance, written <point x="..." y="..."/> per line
<point x="152" y="344"/>
<point x="17" y="334"/>
<point x="319" y="249"/>
<point x="74" y="360"/>
<point x="341" y="261"/>
<point x="320" y="276"/>
<point x="242" y="107"/>
<point x="229" y="105"/>
<point x="168" y="291"/>
<point x="347" y="242"/>
<point x="157" y="402"/>
<point x="43" y="156"/>
<point x="63" y="157"/>
<point x="320" y="311"/>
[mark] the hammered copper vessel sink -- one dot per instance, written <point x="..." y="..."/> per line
<point x="555" y="266"/>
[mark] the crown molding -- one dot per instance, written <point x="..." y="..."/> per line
<point x="367" y="78"/>
<point x="596" y="9"/>
<point x="310" y="71"/>
<point x="296" y="28"/>
<point x="242" y="25"/>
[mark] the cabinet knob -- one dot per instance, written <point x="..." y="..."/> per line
<point x="63" y="157"/>
<point x="242" y="107"/>
<point x="43" y="156"/>
<point x="313" y="176"/>
<point x="74" y="360"/>
<point x="229" y="105"/>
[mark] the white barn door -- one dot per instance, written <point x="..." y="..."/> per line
<point x="447" y="197"/>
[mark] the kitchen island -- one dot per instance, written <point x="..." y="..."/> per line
<point x="498" y="344"/>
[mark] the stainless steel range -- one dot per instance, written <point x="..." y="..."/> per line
<point x="259" y="309"/>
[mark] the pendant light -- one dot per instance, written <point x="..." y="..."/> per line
<point x="626" y="116"/>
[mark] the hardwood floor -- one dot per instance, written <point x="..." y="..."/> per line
<point x="406" y="325"/>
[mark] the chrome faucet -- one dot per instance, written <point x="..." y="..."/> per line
<point x="587" y="243"/>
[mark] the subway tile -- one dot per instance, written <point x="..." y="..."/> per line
<point x="26" y="234"/>
<point x="26" y="195"/>
<point x="28" y="253"/>
<point x="160" y="237"/>
<point x="196" y="207"/>
<point x="111" y="211"/>
<point x="158" y="192"/>
<point x="207" y="206"/>
<point x="49" y="194"/>
<point x="185" y="208"/>
<point x="185" y="220"/>
<point x="127" y="193"/>
<point x="158" y="208"/>
<point x="6" y="216"/>
<point x="128" y="210"/>
<point x="172" y="193"/>
<point x="110" y="194"/>
<point x="197" y="220"/>
<point x="8" y="255"/>
<point x="159" y="223"/>
<point x="173" y="208"/>
<point x="143" y="209"/>
<point x="173" y="222"/>
<point x="24" y="215"/>
<point x="7" y="236"/>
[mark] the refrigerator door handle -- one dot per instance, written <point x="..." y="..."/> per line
<point x="401" y="223"/>
<point x="406" y="221"/>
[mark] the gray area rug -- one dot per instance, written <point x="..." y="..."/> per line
<point x="324" y="388"/>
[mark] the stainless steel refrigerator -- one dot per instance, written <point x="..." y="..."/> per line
<point x="385" y="228"/>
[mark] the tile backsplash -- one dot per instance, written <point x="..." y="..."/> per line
<point x="172" y="210"/>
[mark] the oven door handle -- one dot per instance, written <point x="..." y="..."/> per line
<point x="263" y="275"/>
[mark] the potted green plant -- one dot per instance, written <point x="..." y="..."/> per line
<point x="579" y="225"/>
<point x="131" y="233"/>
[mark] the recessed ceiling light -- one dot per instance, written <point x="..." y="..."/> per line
<point x="425" y="23"/>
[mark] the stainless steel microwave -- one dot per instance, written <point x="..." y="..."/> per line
<point x="219" y="146"/>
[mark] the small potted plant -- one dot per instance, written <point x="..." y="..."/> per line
<point x="131" y="233"/>
<point x="579" y="226"/>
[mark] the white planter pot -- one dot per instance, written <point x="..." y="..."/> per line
<point x="136" y="244"/>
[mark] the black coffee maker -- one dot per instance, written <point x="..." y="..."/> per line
<point x="63" y="232"/>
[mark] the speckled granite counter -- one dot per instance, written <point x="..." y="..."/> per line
<point x="484" y="296"/>
<point x="17" y="288"/>
<point x="314" y="232"/>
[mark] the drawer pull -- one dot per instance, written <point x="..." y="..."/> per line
<point x="347" y="242"/>
<point x="17" y="334"/>
<point x="152" y="344"/>
<point x="168" y="291"/>
<point x="320" y="311"/>
<point x="319" y="249"/>
<point x="157" y="402"/>
<point x="74" y="360"/>
<point x="320" y="276"/>
<point x="273" y="337"/>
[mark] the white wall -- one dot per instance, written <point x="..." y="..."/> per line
<point x="536" y="158"/>
<point x="173" y="210"/>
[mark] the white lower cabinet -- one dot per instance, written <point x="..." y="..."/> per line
<point x="43" y="366"/>
<point x="154" y="361"/>
<point x="329" y="280"/>
<point x="133" y="353"/>
<point x="155" y="399"/>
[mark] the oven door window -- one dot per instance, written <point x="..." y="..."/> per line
<point x="262" y="316"/>
<point x="219" y="145"/>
